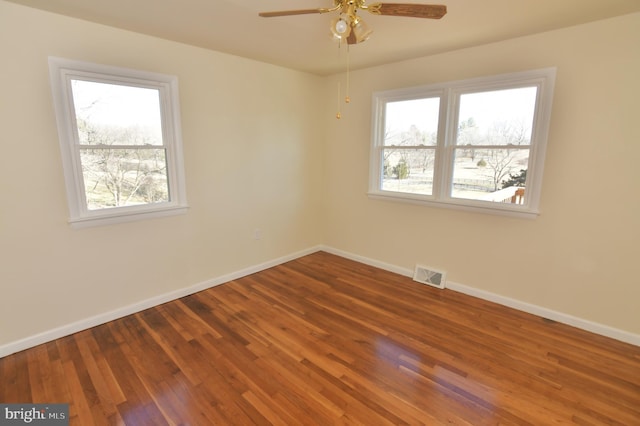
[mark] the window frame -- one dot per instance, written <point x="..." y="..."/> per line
<point x="449" y="93"/>
<point x="62" y="72"/>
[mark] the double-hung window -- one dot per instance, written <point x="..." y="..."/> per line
<point x="119" y="132"/>
<point x="474" y="144"/>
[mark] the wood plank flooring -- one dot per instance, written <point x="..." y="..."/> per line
<point x="321" y="341"/>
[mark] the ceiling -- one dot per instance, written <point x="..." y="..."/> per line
<point x="303" y="42"/>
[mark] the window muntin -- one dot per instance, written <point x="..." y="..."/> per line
<point x="489" y="143"/>
<point x="120" y="139"/>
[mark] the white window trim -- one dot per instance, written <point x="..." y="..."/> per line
<point x="449" y="94"/>
<point x="61" y="71"/>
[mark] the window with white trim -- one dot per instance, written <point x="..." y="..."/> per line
<point x="120" y="139"/>
<point x="476" y="144"/>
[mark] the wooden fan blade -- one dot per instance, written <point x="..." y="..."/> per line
<point x="431" y="11"/>
<point x="291" y="12"/>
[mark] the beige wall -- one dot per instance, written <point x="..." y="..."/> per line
<point x="252" y="146"/>
<point x="262" y="150"/>
<point x="580" y="256"/>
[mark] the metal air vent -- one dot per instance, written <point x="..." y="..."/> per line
<point x="429" y="276"/>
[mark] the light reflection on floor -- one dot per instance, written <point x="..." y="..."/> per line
<point x="427" y="380"/>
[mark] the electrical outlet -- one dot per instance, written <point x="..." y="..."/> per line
<point x="257" y="234"/>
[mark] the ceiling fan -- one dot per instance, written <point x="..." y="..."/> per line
<point x="349" y="27"/>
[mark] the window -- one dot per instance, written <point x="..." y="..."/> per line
<point x="474" y="144"/>
<point x="119" y="132"/>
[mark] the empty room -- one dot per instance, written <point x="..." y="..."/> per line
<point x="232" y="212"/>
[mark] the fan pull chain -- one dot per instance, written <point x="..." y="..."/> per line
<point x="338" y="115"/>
<point x="347" y="98"/>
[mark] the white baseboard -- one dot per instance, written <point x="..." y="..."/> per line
<point x="581" y="323"/>
<point x="105" y="317"/>
<point x="593" y="327"/>
<point x="367" y="261"/>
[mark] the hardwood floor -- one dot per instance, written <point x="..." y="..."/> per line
<point x="323" y="340"/>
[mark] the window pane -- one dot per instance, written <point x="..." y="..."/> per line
<point x="412" y="123"/>
<point x="488" y="174"/>
<point x="500" y="117"/>
<point x="112" y="114"/>
<point x="408" y="170"/>
<point x="124" y="177"/>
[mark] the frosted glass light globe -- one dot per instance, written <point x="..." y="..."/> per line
<point x="341" y="26"/>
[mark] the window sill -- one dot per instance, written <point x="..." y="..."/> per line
<point x="500" y="209"/>
<point x="121" y="216"/>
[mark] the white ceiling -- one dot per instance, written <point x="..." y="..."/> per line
<point x="303" y="42"/>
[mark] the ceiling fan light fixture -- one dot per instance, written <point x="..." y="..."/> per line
<point x="341" y="26"/>
<point x="360" y="30"/>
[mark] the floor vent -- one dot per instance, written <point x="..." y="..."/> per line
<point x="429" y="276"/>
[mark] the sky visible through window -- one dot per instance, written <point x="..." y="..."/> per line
<point x="118" y="106"/>
<point x="484" y="107"/>
<point x="508" y="106"/>
<point x="422" y="113"/>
